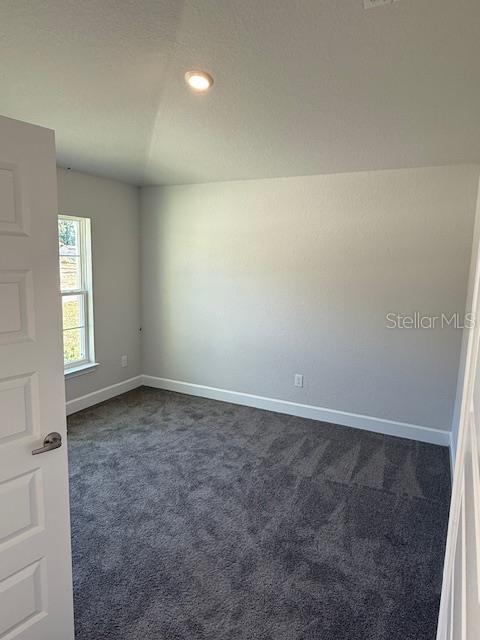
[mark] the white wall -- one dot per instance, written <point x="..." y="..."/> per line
<point x="246" y="283"/>
<point x="113" y="209"/>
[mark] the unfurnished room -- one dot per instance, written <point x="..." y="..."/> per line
<point x="239" y="320"/>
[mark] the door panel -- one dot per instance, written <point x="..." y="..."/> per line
<point x="16" y="302"/>
<point x="20" y="500"/>
<point x="14" y="216"/>
<point x="17" y="398"/>
<point x="35" y="562"/>
<point x="23" y="598"/>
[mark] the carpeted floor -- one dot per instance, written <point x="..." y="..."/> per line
<point x="198" y="520"/>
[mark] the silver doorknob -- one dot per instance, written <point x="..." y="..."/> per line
<point x="52" y="441"/>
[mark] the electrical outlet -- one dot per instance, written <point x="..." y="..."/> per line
<point x="298" y="380"/>
<point x="124" y="361"/>
<point x="371" y="4"/>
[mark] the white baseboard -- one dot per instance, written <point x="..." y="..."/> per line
<point x="357" y="421"/>
<point x="83" y="402"/>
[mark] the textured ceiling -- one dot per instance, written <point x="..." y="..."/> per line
<point x="301" y="87"/>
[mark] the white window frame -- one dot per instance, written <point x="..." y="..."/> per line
<point x="86" y="292"/>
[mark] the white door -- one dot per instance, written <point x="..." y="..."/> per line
<point x="460" y="604"/>
<point x="35" y="562"/>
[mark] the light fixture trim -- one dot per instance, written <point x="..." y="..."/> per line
<point x="198" y="81"/>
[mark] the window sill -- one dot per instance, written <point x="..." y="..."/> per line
<point x="73" y="372"/>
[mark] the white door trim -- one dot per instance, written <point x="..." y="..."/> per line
<point x="459" y="616"/>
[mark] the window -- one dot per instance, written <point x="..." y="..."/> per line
<point x="76" y="289"/>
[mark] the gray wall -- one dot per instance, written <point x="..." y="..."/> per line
<point x="246" y="283"/>
<point x="113" y="209"/>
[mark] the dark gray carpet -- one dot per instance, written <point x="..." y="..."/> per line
<point x="194" y="519"/>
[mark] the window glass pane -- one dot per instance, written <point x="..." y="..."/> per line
<point x="73" y="312"/>
<point x="75" y="282"/>
<point x="70" y="273"/>
<point x="73" y="345"/>
<point x="69" y="237"/>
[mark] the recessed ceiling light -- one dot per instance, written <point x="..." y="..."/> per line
<point x="199" y="81"/>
